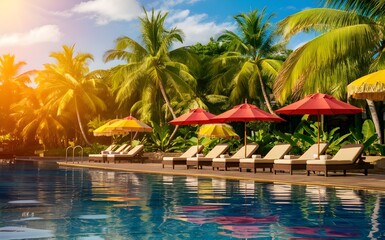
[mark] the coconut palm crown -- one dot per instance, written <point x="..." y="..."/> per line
<point x="151" y="72"/>
<point x="249" y="66"/>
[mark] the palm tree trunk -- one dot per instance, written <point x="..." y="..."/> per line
<point x="267" y="100"/>
<point x="80" y="124"/>
<point x="169" y="107"/>
<point x="375" y="119"/>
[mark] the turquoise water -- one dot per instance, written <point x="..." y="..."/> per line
<point x="44" y="202"/>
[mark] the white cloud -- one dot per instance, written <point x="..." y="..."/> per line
<point x="105" y="11"/>
<point x="291" y="8"/>
<point x="178" y="16"/>
<point x="46" y="33"/>
<point x="196" y="29"/>
<point x="165" y="5"/>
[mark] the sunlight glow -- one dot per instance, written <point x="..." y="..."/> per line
<point x="13" y="14"/>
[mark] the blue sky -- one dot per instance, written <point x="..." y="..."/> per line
<point x="32" y="29"/>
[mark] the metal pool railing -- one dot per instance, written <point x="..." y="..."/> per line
<point x="73" y="153"/>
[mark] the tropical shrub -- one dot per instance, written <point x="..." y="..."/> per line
<point x="159" y="139"/>
<point x="264" y="139"/>
<point x="367" y="136"/>
<point x="306" y="134"/>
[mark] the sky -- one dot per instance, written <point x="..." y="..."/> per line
<point x="32" y="29"/>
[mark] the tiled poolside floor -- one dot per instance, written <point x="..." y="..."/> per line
<point x="375" y="180"/>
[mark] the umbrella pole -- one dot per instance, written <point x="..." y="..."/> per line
<point x="245" y="141"/>
<point x="198" y="146"/>
<point x="318" y="118"/>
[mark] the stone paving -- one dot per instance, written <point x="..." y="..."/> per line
<point x="357" y="180"/>
<point x="374" y="181"/>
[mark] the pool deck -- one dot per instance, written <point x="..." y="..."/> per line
<point x="357" y="180"/>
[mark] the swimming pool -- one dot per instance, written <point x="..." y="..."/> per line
<point x="46" y="202"/>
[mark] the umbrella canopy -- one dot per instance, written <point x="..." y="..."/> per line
<point x="128" y="124"/>
<point x="245" y="113"/>
<point x="319" y="104"/>
<point x="218" y="131"/>
<point x="195" y="116"/>
<point x="103" y="131"/>
<point x="371" y="86"/>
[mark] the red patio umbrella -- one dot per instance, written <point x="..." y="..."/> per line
<point x="319" y="104"/>
<point x="245" y="113"/>
<point x="195" y="116"/>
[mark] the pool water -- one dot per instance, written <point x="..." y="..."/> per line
<point x="42" y="201"/>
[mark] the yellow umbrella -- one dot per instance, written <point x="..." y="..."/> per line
<point x="371" y="86"/>
<point x="128" y="124"/>
<point x="217" y="130"/>
<point x="103" y="131"/>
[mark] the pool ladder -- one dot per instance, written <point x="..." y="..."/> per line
<point x="73" y="153"/>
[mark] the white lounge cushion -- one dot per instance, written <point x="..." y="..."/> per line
<point x="290" y="161"/>
<point x="328" y="162"/>
<point x="173" y="158"/>
<point x="197" y="159"/>
<point x="96" y="155"/>
<point x="256" y="160"/>
<point x="226" y="160"/>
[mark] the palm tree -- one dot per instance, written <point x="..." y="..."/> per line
<point x="37" y="120"/>
<point x="70" y="86"/>
<point x="250" y="61"/>
<point x="152" y="72"/>
<point x="350" y="44"/>
<point x="11" y="84"/>
<point x="205" y="54"/>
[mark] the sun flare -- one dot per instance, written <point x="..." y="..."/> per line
<point x="12" y="14"/>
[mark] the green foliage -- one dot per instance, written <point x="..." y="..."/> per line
<point x="181" y="143"/>
<point x="367" y="136"/>
<point x="159" y="138"/>
<point x="306" y="134"/>
<point x="211" y="49"/>
<point x="95" y="123"/>
<point x="244" y="71"/>
<point x="345" y="48"/>
<point x="209" y="143"/>
<point x="264" y="139"/>
<point x="94" y="148"/>
<point x="6" y="137"/>
<point x="152" y="74"/>
<point x="380" y="149"/>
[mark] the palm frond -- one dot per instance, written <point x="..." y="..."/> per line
<point x="319" y="20"/>
<point x="325" y="52"/>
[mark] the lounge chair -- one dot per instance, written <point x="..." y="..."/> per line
<point x="109" y="148"/>
<point x="347" y="158"/>
<point x="103" y="157"/>
<point x="233" y="161"/>
<point x="133" y="154"/>
<point x="277" y="152"/>
<point x="182" y="159"/>
<point x="207" y="160"/>
<point x="300" y="162"/>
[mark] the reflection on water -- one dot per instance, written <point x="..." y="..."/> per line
<point x="42" y="201"/>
